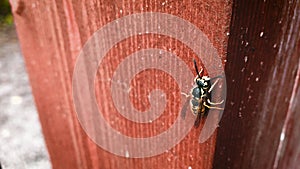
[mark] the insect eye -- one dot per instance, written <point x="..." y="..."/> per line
<point x="199" y="82"/>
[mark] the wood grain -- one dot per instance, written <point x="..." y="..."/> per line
<point x="259" y="127"/>
<point x="51" y="35"/>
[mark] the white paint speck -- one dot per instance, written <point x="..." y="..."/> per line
<point x="240" y="114"/>
<point x="121" y="11"/>
<point x="190" y="167"/>
<point x="246" y="59"/>
<point x="261" y="34"/>
<point x="261" y="63"/>
<point x="126" y="154"/>
<point x="282" y="136"/>
<point x="227" y="33"/>
<point x="248" y="89"/>
<point x="257" y="79"/>
<point x="275" y="45"/>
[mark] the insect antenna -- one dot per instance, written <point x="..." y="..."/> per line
<point x="216" y="77"/>
<point x="196" y="68"/>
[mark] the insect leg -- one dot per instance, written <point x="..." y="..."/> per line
<point x="212" y="103"/>
<point x="212" y="86"/>
<point x="211" y="107"/>
<point x="217" y="77"/>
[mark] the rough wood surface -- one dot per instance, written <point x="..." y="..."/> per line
<point x="259" y="128"/>
<point x="51" y="35"/>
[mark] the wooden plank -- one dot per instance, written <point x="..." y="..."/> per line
<point x="259" y="126"/>
<point x="51" y="35"/>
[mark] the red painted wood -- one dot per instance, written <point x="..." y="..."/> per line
<point x="51" y="35"/>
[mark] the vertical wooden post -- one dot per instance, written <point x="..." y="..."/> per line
<point x="260" y="121"/>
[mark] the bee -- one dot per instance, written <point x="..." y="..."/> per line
<point x="200" y="94"/>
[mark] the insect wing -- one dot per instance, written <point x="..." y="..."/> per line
<point x="197" y="121"/>
<point x="184" y="108"/>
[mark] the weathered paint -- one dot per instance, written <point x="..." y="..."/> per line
<point x="51" y="35"/>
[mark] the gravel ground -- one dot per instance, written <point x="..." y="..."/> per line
<point x="22" y="144"/>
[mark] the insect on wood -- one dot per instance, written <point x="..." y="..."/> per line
<point x="200" y="96"/>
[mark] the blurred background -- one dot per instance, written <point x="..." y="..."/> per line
<point x="21" y="141"/>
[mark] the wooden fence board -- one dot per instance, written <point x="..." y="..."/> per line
<point x="259" y="126"/>
<point x="51" y="35"/>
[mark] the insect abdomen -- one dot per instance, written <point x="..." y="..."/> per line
<point x="196" y="93"/>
